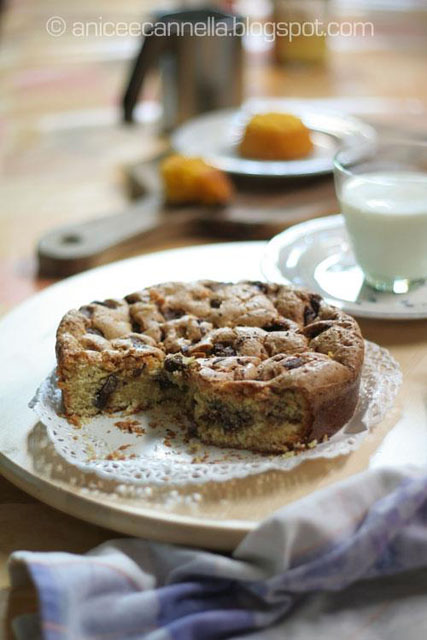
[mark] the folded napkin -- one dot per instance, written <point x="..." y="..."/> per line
<point x="328" y="566"/>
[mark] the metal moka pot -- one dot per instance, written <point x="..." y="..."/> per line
<point x="199" y="56"/>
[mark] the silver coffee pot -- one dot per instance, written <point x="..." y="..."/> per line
<point x="199" y="56"/>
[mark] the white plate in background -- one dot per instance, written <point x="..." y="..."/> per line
<point x="215" y="137"/>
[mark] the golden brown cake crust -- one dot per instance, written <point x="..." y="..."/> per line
<point x="247" y="342"/>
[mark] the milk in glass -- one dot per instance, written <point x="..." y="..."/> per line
<point x="386" y="217"/>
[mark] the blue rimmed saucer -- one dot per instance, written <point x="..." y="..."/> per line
<point x="317" y="255"/>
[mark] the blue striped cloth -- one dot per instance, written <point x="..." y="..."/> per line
<point x="347" y="562"/>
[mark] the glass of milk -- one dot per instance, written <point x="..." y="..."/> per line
<point x="382" y="191"/>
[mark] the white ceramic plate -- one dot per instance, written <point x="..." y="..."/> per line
<point x="317" y="255"/>
<point x="215" y="137"/>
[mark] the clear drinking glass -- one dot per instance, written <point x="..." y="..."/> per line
<point x="382" y="190"/>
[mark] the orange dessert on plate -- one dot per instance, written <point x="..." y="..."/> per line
<point x="275" y="136"/>
<point x="190" y="180"/>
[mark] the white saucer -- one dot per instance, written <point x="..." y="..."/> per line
<point x="215" y="136"/>
<point x="317" y="255"/>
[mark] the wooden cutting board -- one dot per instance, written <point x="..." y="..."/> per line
<point x="260" y="209"/>
<point x="226" y="511"/>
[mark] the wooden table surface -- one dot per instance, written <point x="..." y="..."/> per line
<point x="63" y="152"/>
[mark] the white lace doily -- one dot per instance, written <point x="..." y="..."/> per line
<point x="149" y="449"/>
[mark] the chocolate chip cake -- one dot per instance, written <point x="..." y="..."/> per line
<point x="254" y="365"/>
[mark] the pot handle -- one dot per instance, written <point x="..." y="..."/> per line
<point x="151" y="48"/>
